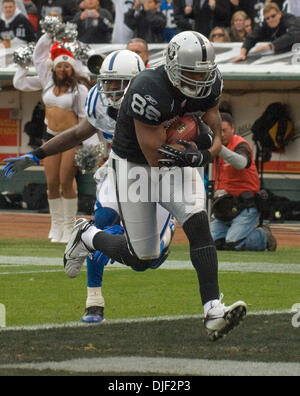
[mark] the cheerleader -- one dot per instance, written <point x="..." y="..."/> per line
<point x="64" y="95"/>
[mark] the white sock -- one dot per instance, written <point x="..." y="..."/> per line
<point x="94" y="297"/>
<point x="88" y="236"/>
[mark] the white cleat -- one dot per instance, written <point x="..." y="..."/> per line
<point x="76" y="252"/>
<point x="220" y="320"/>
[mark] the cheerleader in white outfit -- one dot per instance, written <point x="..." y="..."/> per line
<point x="64" y="95"/>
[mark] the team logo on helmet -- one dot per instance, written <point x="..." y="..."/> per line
<point x="172" y="50"/>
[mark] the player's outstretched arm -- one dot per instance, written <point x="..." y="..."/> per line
<point x="17" y="164"/>
<point x="58" y="144"/>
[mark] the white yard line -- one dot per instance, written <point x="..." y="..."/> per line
<point x="107" y="322"/>
<point x="170" y="366"/>
<point x="259" y="267"/>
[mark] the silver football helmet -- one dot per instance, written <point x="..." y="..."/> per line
<point x="117" y="69"/>
<point x="187" y="53"/>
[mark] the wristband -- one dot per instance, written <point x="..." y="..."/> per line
<point x="39" y="153"/>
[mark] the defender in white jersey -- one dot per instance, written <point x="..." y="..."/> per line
<point x="101" y="107"/>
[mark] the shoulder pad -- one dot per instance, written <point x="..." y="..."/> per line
<point x="147" y="100"/>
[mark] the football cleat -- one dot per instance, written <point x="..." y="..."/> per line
<point x="76" y="251"/>
<point x="93" y="315"/>
<point x="220" y="320"/>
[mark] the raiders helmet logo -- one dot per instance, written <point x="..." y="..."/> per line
<point x="172" y="50"/>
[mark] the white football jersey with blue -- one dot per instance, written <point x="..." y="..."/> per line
<point x="97" y="113"/>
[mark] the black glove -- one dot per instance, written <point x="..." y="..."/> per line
<point x="191" y="156"/>
<point x="205" y="138"/>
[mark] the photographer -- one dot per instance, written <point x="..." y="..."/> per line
<point x="237" y="190"/>
<point x="147" y="21"/>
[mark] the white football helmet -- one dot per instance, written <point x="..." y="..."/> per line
<point x="191" y="52"/>
<point x="117" y="69"/>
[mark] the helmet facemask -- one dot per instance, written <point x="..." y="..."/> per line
<point x="117" y="70"/>
<point x="200" y="87"/>
<point x="113" y="89"/>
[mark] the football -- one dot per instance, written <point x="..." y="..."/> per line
<point x="184" y="128"/>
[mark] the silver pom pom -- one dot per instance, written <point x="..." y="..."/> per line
<point x="22" y="56"/>
<point x="79" y="50"/>
<point x="88" y="157"/>
<point x="70" y="32"/>
<point x="83" y="52"/>
<point x="53" y="26"/>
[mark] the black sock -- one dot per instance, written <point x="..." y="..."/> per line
<point x="203" y="255"/>
<point x="116" y="248"/>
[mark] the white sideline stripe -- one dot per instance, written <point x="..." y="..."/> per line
<point x="107" y="322"/>
<point x="29" y="272"/>
<point x="11" y="261"/>
<point x="170" y="366"/>
<point x="34" y="261"/>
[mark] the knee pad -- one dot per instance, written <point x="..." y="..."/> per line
<point x="104" y="216"/>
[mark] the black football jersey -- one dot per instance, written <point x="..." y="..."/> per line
<point x="152" y="99"/>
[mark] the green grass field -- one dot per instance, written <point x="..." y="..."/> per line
<point x="150" y="315"/>
<point x="41" y="293"/>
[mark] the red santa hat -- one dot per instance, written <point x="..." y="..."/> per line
<point x="60" y="54"/>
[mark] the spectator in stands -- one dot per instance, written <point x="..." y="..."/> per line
<point x="107" y="4"/>
<point x="65" y="9"/>
<point x="147" y="21"/>
<point x="238" y="30"/>
<point x="182" y="14"/>
<point x="121" y="32"/>
<point x="15" y="28"/>
<point x="219" y="35"/>
<point x="253" y="8"/>
<point x="94" y="23"/>
<point x="279" y="29"/>
<point x="210" y="13"/>
<point x="32" y="13"/>
<point x="140" y="47"/>
<point x="248" y="6"/>
<point x="166" y="6"/>
<point x="258" y="7"/>
<point x="237" y="184"/>
<point x="248" y="26"/>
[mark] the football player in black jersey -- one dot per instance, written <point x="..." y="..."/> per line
<point x="188" y="83"/>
